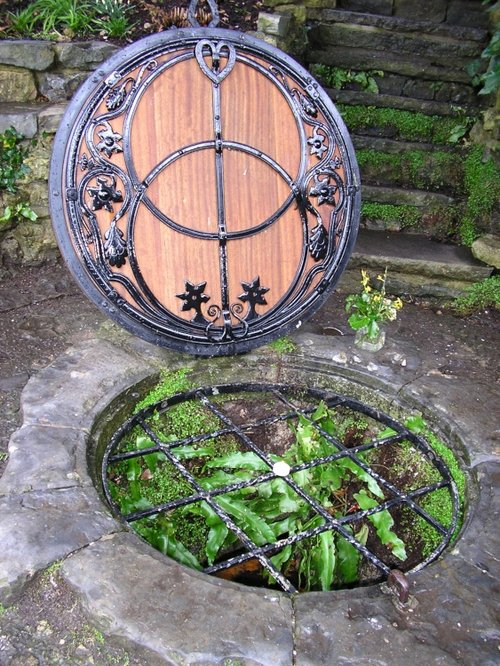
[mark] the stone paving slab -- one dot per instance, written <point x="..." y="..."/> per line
<point x="39" y="528"/>
<point x="68" y="392"/>
<point x="45" y="458"/>
<point x="186" y="617"/>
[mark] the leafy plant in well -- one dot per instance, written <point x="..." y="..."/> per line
<point x="272" y="510"/>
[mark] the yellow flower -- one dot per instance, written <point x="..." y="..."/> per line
<point x="380" y="277"/>
<point x="377" y="297"/>
<point x="398" y="304"/>
<point x="365" y="278"/>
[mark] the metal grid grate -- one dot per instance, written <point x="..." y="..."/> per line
<point x="290" y="403"/>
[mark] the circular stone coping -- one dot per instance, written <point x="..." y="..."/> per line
<point x="64" y="409"/>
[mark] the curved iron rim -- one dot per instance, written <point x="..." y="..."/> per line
<point x="102" y="293"/>
<point x="280" y="391"/>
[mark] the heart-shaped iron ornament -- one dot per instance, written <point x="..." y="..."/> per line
<point x="204" y="190"/>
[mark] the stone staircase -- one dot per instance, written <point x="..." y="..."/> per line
<point x="417" y="53"/>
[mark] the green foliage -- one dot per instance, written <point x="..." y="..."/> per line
<point x="372" y="306"/>
<point x="114" y="18"/>
<point x="283" y="345"/>
<point x="170" y="383"/>
<point x="488" y="80"/>
<point x="404" y="215"/>
<point x="482" y="186"/>
<point x="409" y="125"/>
<point x="195" y="535"/>
<point x="484" y="294"/>
<point x="53" y="18"/>
<point x="421" y="168"/>
<point x="16" y="213"/>
<point x="336" y="77"/>
<point x="12" y="156"/>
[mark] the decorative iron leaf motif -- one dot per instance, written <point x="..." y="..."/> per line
<point x="323" y="190"/>
<point x="109" y="141"/>
<point x="318" y="242"/>
<point x="317" y="143"/>
<point x="116" y="97"/>
<point x="105" y="194"/>
<point x="253" y="295"/>
<point x="115" y="248"/>
<point x="308" y="106"/>
<point x="85" y="163"/>
<point x="193" y="298"/>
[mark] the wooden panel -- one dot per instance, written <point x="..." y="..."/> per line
<point x="262" y="118"/>
<point x="175" y="111"/>
<point x="167" y="259"/>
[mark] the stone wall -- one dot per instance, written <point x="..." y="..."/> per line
<point x="37" y="78"/>
<point x="422" y="49"/>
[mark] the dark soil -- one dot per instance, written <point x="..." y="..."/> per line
<point x="151" y="16"/>
<point x="42" y="313"/>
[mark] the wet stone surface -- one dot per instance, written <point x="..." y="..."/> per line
<point x="64" y="556"/>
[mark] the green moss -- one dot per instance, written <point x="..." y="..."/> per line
<point x="409" y="125"/>
<point x="484" y="294"/>
<point x="419" y="168"/>
<point x="482" y="186"/>
<point x="283" y="345"/>
<point x="170" y="383"/>
<point x="403" y="216"/>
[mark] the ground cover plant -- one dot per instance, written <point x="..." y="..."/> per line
<point x="155" y="495"/>
<point x="120" y="20"/>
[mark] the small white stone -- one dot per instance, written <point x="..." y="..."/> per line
<point x="341" y="357"/>
<point x="298" y="324"/>
<point x="403" y="363"/>
<point x="371" y="367"/>
<point x="356" y="359"/>
<point x="281" y="468"/>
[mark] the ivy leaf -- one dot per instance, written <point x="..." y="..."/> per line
<point x="382" y="521"/>
<point x="216" y="537"/>
<point x="348" y="560"/>
<point x="373" y="486"/>
<point x="326" y="553"/>
<point x="238" y="460"/>
<point x="254" y="525"/>
<point x="416" y="423"/>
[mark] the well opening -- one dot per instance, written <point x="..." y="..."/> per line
<point x="281" y="486"/>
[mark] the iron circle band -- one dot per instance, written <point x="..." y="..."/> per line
<point x="155" y="324"/>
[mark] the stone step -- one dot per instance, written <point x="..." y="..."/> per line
<point x="405" y="210"/>
<point x="403" y="64"/>
<point x="419" y="105"/>
<point x="28" y="119"/>
<point x="405" y="197"/>
<point x="440" y="172"/>
<point x="450" y="12"/>
<point x="414" y="25"/>
<point x="416" y="265"/>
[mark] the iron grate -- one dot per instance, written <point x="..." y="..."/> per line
<point x="286" y="404"/>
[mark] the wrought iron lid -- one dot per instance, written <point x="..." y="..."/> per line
<point x="204" y="190"/>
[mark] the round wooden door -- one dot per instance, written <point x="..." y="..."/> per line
<point x="204" y="191"/>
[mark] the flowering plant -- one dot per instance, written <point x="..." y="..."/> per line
<point x="372" y="306"/>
